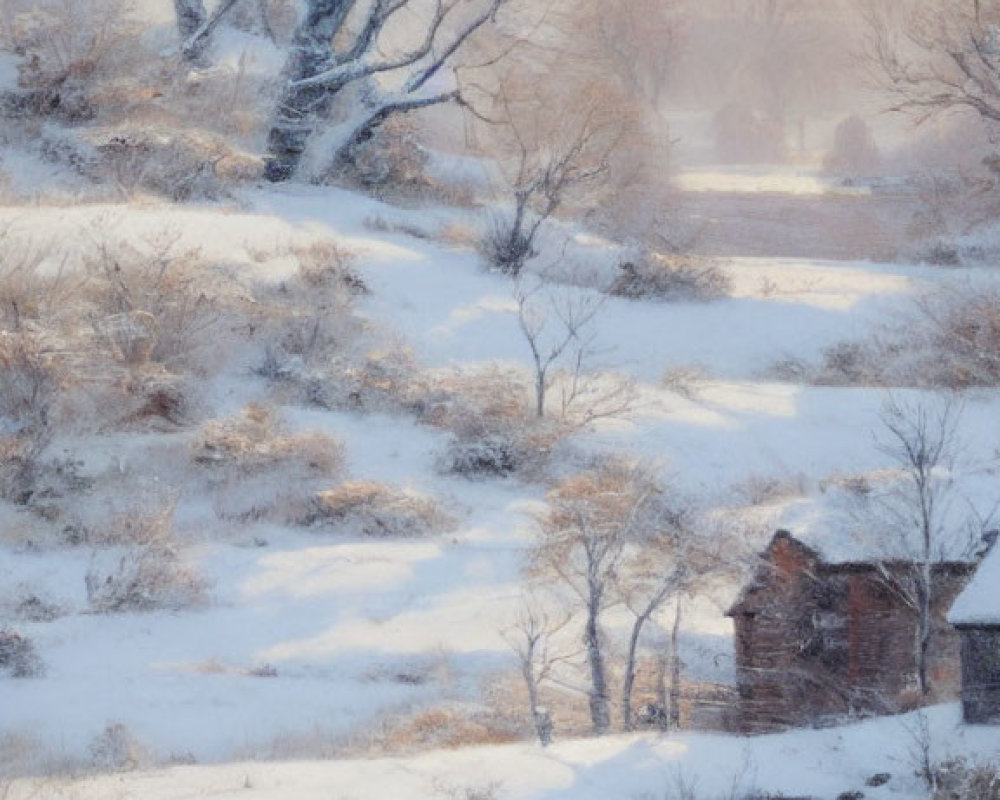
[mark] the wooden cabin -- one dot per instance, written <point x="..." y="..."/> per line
<point x="820" y="638"/>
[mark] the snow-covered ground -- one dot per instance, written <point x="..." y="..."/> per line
<point x="763" y="179"/>
<point x="815" y="763"/>
<point x="358" y="629"/>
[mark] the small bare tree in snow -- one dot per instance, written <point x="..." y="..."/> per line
<point x="531" y="640"/>
<point x="341" y="44"/>
<point x="556" y="323"/>
<point x="553" y="152"/>
<point x="583" y="534"/>
<point x="917" y="514"/>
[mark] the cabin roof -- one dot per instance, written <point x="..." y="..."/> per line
<point x="754" y="592"/>
<point x="979" y="602"/>
<point x="867" y="519"/>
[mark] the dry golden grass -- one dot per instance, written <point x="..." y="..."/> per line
<point x="459" y="235"/>
<point x="374" y="509"/>
<point x="254" y="441"/>
<point x="441" y="727"/>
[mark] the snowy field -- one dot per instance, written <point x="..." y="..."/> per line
<point x="825" y="763"/>
<point x="358" y="629"/>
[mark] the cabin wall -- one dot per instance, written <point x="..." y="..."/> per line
<point x="821" y="643"/>
<point x="981" y="675"/>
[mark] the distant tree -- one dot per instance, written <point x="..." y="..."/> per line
<point x="933" y="58"/>
<point x="854" y="151"/>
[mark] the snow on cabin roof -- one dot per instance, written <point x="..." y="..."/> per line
<point x="871" y="517"/>
<point x="979" y="602"/>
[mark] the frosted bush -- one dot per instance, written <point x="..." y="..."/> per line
<point x="18" y="658"/>
<point x="373" y="509"/>
<point x="147" y="578"/>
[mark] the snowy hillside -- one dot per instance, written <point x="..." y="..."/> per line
<point x="352" y="452"/>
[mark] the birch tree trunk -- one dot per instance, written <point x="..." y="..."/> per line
<point x="600" y="715"/>
<point x="191" y="15"/>
<point x="924" y="589"/>
<point x="299" y="107"/>
<point x="628" y="682"/>
<point x="675" y="670"/>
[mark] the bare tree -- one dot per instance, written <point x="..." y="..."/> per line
<point x="531" y="640"/>
<point x="663" y="564"/>
<point x="916" y="512"/>
<point x="550" y="159"/>
<point x="674" y="714"/>
<point x="666" y="644"/>
<point x="590" y="139"/>
<point x="343" y="43"/>
<point x="554" y="325"/>
<point x="934" y="58"/>
<point x="195" y="25"/>
<point x="583" y="534"/>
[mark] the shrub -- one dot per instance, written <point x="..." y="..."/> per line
<point x="380" y="380"/>
<point x="684" y="380"/>
<point x="964" y="334"/>
<point x="506" y="246"/>
<point x="326" y="265"/>
<point x="850" y="364"/>
<point x="307" y="319"/>
<point x="495" y="431"/>
<point x="957" y="779"/>
<point x="670" y="278"/>
<point x="490" y="456"/>
<point x="263" y="671"/>
<point x="139" y="526"/>
<point x="254" y="441"/>
<point x="32" y="608"/>
<point x="502" y="452"/>
<point x="758" y="490"/>
<point x="156" y="302"/>
<point x="372" y="509"/>
<point x="443" y="727"/>
<point x="27" y="293"/>
<point x="949" y="339"/>
<point x="18" y="658"/>
<point x="147" y="578"/>
<point x="29" y="387"/>
<point x="178" y="164"/>
<point x="28" y="393"/>
<point x="70" y="48"/>
<point x="117" y="749"/>
<point x="389" y="164"/>
<point x="150" y="574"/>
